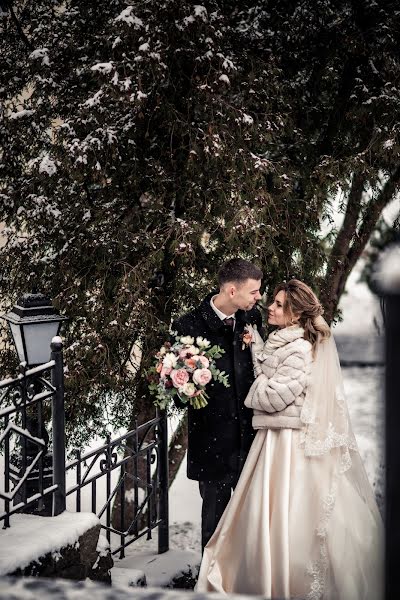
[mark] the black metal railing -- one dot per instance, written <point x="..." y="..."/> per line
<point x="137" y="502"/>
<point x="34" y="465"/>
<point x="35" y="469"/>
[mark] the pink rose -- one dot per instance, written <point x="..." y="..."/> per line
<point x="205" y="363"/>
<point x="191" y="363"/>
<point x="165" y="371"/>
<point x="202" y="376"/>
<point x="179" y="377"/>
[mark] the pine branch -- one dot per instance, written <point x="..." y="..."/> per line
<point x="339" y="107"/>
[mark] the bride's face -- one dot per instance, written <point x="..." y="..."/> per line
<point x="276" y="316"/>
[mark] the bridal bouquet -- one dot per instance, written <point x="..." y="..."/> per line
<point x="184" y="369"/>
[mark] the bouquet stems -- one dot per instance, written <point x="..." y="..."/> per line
<point x="199" y="401"/>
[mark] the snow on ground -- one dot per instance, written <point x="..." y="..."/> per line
<point x="27" y="539"/>
<point x="159" y="569"/>
<point x="32" y="588"/>
<point x="360" y="340"/>
<point x="365" y="398"/>
<point x="360" y="335"/>
<point x="360" y="308"/>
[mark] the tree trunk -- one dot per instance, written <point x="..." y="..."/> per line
<point x="176" y="453"/>
<point x="145" y="411"/>
<point x="177" y="448"/>
<point x="352" y="238"/>
<point x="337" y="264"/>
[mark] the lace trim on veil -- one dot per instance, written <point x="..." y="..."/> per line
<point x="326" y="434"/>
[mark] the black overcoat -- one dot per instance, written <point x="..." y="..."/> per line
<point x="220" y="435"/>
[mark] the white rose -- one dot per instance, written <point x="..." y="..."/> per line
<point x="192" y="350"/>
<point x="202" y="342"/>
<point x="189" y="389"/>
<point x="202" y="376"/>
<point x="169" y="360"/>
<point x="163" y="350"/>
<point x="187" y="339"/>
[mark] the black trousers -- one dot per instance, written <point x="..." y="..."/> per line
<point x="215" y="495"/>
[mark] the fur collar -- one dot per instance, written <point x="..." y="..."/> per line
<point x="281" y="337"/>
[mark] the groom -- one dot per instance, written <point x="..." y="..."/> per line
<point x="220" y="435"/>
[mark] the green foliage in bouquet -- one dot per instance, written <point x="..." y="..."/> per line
<point x="184" y="369"/>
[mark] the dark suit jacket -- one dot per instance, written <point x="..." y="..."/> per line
<point x="220" y="435"/>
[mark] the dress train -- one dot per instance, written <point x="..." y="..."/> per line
<point x="274" y="540"/>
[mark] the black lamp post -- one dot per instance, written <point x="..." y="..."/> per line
<point x="33" y="323"/>
<point x="387" y="285"/>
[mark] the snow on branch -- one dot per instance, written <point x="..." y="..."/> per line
<point x="21" y="114"/>
<point x="40" y="53"/>
<point x="103" y="67"/>
<point x="94" y="100"/>
<point x="130" y="19"/>
<point x="47" y="165"/>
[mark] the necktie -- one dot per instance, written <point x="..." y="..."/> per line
<point x="230" y="321"/>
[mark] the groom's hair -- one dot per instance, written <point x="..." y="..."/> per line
<point x="238" y="270"/>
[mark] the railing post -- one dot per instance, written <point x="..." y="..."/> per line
<point x="163" y="528"/>
<point x="58" y="420"/>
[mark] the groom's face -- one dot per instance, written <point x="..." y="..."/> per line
<point x="245" y="295"/>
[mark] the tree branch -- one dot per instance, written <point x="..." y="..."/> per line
<point x="337" y="112"/>
<point x="344" y="256"/>
<point x="349" y="225"/>
<point x="19" y="27"/>
<point x="337" y="263"/>
<point x="371" y="216"/>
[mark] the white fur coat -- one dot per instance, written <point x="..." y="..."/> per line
<point x="282" y="366"/>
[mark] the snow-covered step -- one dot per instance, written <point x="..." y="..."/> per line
<point x="172" y="569"/>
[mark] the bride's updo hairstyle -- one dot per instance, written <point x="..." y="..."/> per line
<point x="303" y="307"/>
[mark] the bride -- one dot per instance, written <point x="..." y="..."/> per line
<point x="302" y="521"/>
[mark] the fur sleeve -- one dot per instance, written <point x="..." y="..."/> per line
<point x="277" y="392"/>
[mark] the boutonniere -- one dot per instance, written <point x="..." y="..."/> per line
<point x="246" y="337"/>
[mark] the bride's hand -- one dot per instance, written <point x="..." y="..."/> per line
<point x="257" y="343"/>
<point x="257" y="346"/>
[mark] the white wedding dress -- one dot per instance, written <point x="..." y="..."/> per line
<point x="303" y="521"/>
